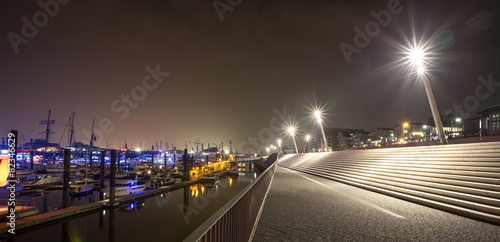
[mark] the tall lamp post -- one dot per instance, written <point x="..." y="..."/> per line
<point x="317" y="115"/>
<point x="405" y="125"/>
<point x="307" y="139"/>
<point x="291" y="131"/>
<point x="279" y="146"/>
<point x="417" y="59"/>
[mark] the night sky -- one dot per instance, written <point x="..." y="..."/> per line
<point x="226" y="77"/>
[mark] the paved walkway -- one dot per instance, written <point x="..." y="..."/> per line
<point x="302" y="207"/>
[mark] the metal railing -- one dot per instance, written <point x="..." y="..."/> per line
<point x="237" y="219"/>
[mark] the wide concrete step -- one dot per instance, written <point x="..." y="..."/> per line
<point x="463" y="211"/>
<point x="459" y="180"/>
<point x="439" y="148"/>
<point x="444" y="159"/>
<point x="473" y="194"/>
<point x="421" y="192"/>
<point x="443" y="170"/>
<point x="463" y="179"/>
<point x="417" y="162"/>
<point x="494" y="171"/>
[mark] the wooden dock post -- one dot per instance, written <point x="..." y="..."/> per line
<point x="31" y="159"/>
<point x="101" y="176"/>
<point x="165" y="161"/>
<point x="185" y="161"/>
<point x="66" y="173"/>
<point x="112" y="178"/>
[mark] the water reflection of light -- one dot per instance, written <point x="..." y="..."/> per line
<point x="202" y="189"/>
<point x="132" y="205"/>
<point x="103" y="212"/>
<point x="196" y="194"/>
<point x="230" y="181"/>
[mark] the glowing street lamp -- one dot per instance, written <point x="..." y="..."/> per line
<point x="307" y="139"/>
<point x="416" y="56"/>
<point x="279" y="146"/>
<point x="291" y="131"/>
<point x="317" y="115"/>
<point x="405" y="125"/>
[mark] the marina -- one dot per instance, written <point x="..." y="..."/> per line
<point x="177" y="208"/>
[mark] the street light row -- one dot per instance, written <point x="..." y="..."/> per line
<point x="291" y="130"/>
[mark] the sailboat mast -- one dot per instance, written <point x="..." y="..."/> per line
<point x="47" y="122"/>
<point x="91" y="143"/>
<point x="72" y="130"/>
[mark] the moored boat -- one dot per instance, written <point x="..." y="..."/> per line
<point x="212" y="177"/>
<point x="125" y="187"/>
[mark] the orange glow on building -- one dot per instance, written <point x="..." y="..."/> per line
<point x="4" y="169"/>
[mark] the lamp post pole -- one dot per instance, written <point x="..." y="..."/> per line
<point x="291" y="131"/>
<point x="434" y="110"/>
<point x="324" y="137"/>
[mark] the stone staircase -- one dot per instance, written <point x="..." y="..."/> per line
<point x="463" y="178"/>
